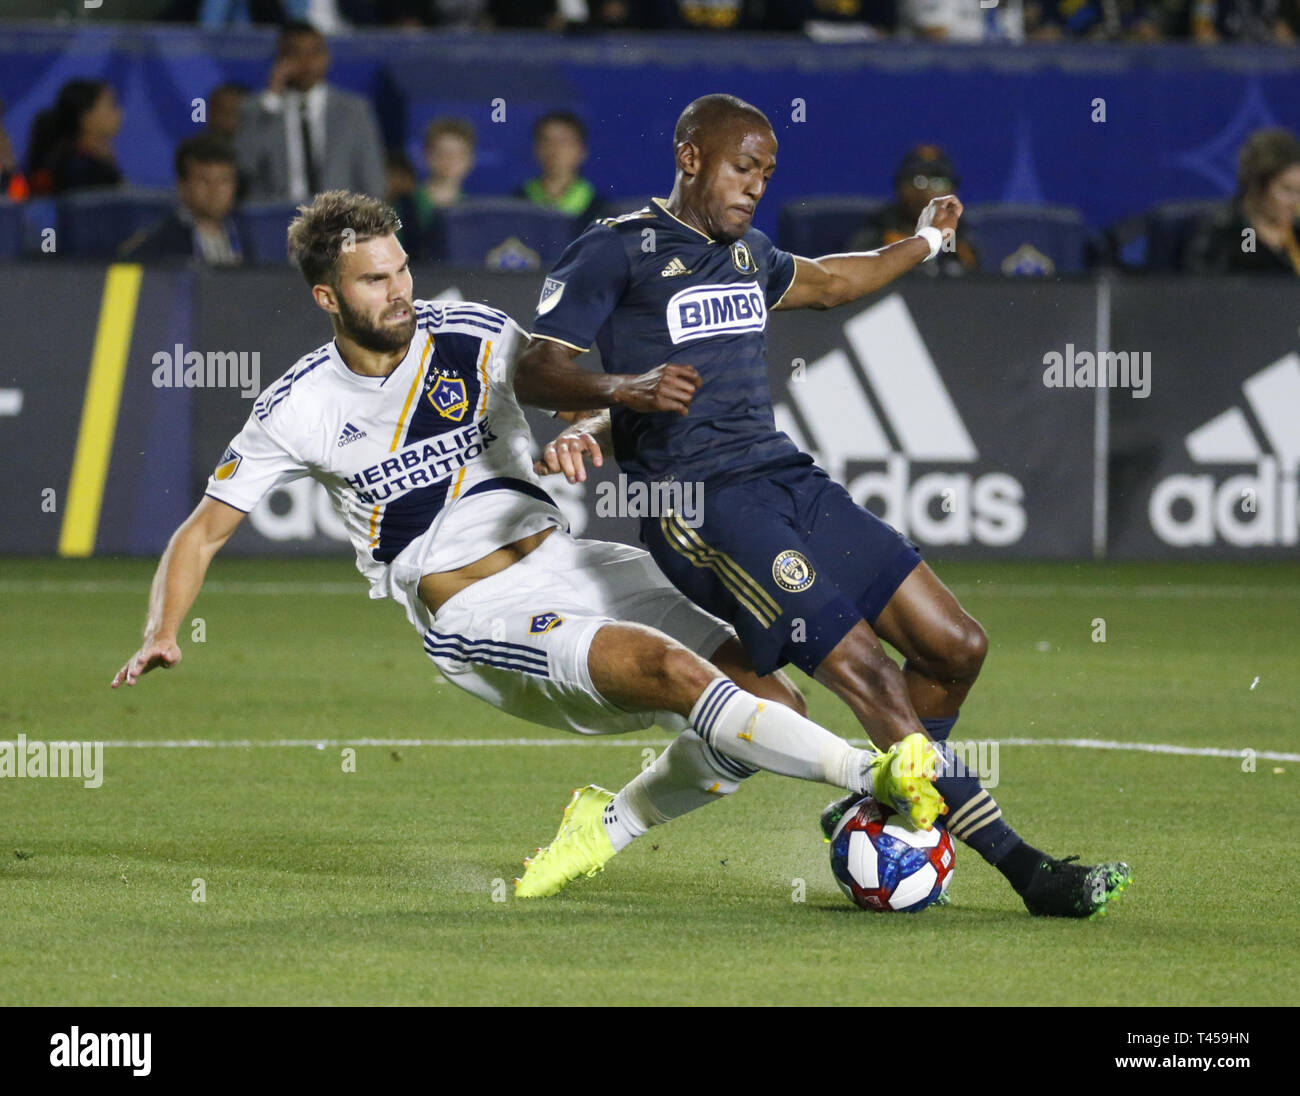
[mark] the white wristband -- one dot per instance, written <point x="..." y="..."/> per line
<point x="934" y="238"/>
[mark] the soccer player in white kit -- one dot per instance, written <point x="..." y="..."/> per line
<point x="408" y="418"/>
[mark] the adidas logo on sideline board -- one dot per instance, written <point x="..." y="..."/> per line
<point x="940" y="507"/>
<point x="1252" y="508"/>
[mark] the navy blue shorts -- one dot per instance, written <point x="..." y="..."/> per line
<point x="788" y="559"/>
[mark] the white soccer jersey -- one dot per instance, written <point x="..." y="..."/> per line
<point x="429" y="468"/>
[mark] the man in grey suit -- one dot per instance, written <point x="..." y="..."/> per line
<point x="301" y="135"/>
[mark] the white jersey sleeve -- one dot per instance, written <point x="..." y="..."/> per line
<point x="254" y="464"/>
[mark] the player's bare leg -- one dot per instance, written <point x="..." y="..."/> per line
<point x="732" y="735"/>
<point x="943" y="646"/>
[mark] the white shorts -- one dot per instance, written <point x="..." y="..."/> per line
<point x="519" y="639"/>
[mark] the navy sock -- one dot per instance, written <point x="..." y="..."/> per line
<point x="973" y="815"/>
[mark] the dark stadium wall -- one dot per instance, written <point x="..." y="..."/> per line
<point x="928" y="401"/>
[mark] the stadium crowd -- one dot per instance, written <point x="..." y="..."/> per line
<point x="301" y="134"/>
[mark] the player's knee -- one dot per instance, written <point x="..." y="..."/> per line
<point x="964" y="651"/>
<point x="676" y="668"/>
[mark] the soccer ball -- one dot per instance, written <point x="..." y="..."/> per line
<point x="882" y="864"/>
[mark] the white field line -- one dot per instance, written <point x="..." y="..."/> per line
<point x="641" y="743"/>
<point x="965" y="590"/>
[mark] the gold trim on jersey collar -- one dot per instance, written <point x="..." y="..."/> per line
<point x="662" y="204"/>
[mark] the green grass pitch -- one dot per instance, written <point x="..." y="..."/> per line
<point x="377" y="886"/>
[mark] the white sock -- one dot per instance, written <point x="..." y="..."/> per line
<point x="767" y="735"/>
<point x="622" y="824"/>
<point x="687" y="775"/>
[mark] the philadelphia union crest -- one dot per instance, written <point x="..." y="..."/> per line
<point x="792" y="571"/>
<point x="742" y="258"/>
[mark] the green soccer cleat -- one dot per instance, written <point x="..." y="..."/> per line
<point x="581" y="847"/>
<point x="1062" y="888"/>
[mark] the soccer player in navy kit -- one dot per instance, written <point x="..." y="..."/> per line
<point x="676" y="297"/>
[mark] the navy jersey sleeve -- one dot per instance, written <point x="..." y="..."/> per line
<point x="583" y="289"/>
<point x="778" y="264"/>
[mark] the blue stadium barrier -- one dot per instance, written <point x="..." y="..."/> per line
<point x="262" y="227"/>
<point x="95" y="223"/>
<point x="1028" y="239"/>
<point x="504" y="234"/>
<point x="824" y="224"/>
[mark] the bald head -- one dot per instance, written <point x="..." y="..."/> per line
<point x="711" y="116"/>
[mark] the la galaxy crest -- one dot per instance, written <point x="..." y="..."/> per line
<point x="742" y="258"/>
<point x="227" y="464"/>
<point x="449" y="396"/>
<point x="792" y="571"/>
<point x="544" y="622"/>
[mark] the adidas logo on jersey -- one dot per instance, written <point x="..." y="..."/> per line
<point x="1253" y="508"/>
<point x="349" y="435"/>
<point x="833" y="399"/>
<point x="674" y="267"/>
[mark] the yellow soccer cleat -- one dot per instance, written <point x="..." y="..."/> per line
<point x="903" y="778"/>
<point x="581" y="847"/>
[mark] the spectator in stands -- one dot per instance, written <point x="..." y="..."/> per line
<point x="1258" y="232"/>
<point x="925" y="172"/>
<point x="302" y="135"/>
<point x="560" y="146"/>
<point x="1244" y="20"/>
<point x="225" y="105"/>
<point x="326" y="15"/>
<point x="834" y="20"/>
<point x="963" y="20"/>
<point x="1097" y="20"/>
<point x="200" y="228"/>
<point x="449" y="145"/>
<point x="71" y="143"/>
<point x="13" y="183"/>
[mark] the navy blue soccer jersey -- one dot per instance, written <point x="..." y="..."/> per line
<point x="646" y="289"/>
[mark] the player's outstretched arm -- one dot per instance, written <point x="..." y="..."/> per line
<point x="176" y="584"/>
<point x="548" y="377"/>
<point x="838" y="279"/>
<point x="588" y="436"/>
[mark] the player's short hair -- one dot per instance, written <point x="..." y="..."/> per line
<point x="318" y="233"/>
<point x="1265" y="155"/>
<point x="711" y="111"/>
<point x="564" y="118"/>
<point x="203" y="148"/>
<point x="448" y="126"/>
<point x="291" y="28"/>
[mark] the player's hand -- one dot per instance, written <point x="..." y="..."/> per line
<point x="942" y="213"/>
<point x="281" y="70"/>
<point x="155" y="654"/>
<point x="566" y="454"/>
<point x="667" y="387"/>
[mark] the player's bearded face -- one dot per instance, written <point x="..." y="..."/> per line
<point x="387" y="326"/>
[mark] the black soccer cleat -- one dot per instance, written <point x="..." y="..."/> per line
<point x="1062" y="888"/>
<point x="833" y="812"/>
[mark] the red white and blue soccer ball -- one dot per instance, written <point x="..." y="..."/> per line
<point x="882" y="864"/>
